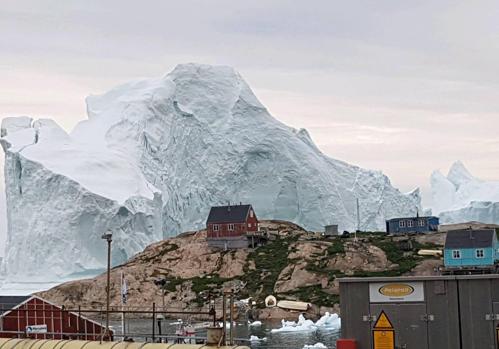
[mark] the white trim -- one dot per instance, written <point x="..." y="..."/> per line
<point x="216" y="227"/>
<point x="482" y="253"/>
<point x="456" y="255"/>
<point x="231" y="227"/>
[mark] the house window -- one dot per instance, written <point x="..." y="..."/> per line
<point x="456" y="254"/>
<point x="249" y="225"/>
<point x="231" y="227"/>
<point x="422" y="222"/>
<point x="215" y="227"/>
<point x="479" y="253"/>
<point x="251" y="213"/>
<point x="402" y="224"/>
<point x="410" y="223"/>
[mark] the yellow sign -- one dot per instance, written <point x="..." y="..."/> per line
<point x="396" y="290"/>
<point x="383" y="339"/>
<point x="497" y="336"/>
<point x="383" y="322"/>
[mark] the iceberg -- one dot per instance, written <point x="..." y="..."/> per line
<point x="152" y="158"/>
<point x="326" y="322"/>
<point x="257" y="339"/>
<point x="255" y="323"/>
<point x="318" y="345"/>
<point x="460" y="197"/>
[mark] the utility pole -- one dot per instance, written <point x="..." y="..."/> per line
<point x="358" y="220"/>
<point x="109" y="238"/>
<point x="231" y="310"/>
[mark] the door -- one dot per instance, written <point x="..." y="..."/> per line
<point x="411" y="330"/>
<point x="476" y="308"/>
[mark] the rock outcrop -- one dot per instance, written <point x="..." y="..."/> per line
<point x="294" y="265"/>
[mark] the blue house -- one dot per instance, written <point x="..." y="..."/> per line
<point x="471" y="248"/>
<point x="412" y="225"/>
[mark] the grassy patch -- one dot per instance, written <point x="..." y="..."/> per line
<point x="269" y="261"/>
<point x="166" y="249"/>
<point x="172" y="284"/>
<point x="395" y="255"/>
<point x="336" y="247"/>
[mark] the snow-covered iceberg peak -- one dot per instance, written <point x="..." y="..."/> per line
<point x="155" y="154"/>
<point x="461" y="197"/>
<point x="459" y="174"/>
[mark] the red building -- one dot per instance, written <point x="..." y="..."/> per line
<point x="34" y="317"/>
<point x="227" y="226"/>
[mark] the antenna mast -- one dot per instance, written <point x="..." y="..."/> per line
<point x="358" y="220"/>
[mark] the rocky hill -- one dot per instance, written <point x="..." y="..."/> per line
<point x="294" y="264"/>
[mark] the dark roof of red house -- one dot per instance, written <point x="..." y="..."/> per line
<point x="228" y="214"/>
<point x="9" y="302"/>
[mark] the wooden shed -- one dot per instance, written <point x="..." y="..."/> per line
<point x="34" y="317"/>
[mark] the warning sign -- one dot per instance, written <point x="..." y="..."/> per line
<point x="384" y="339"/>
<point x="383" y="322"/>
<point x="383" y="333"/>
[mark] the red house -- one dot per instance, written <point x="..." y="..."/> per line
<point x="227" y="226"/>
<point x="34" y="317"/>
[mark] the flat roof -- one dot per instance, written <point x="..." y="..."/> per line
<point x="419" y="278"/>
<point x="414" y="217"/>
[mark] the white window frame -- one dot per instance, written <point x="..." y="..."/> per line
<point x="216" y="227"/>
<point x="251" y="213"/>
<point x="422" y="222"/>
<point x="401" y="224"/>
<point x="231" y="227"/>
<point x="456" y="254"/>
<point x="410" y="223"/>
<point x="249" y="225"/>
<point x="480" y="253"/>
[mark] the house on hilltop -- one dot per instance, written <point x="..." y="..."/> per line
<point x="412" y="225"/>
<point x="471" y="248"/>
<point x="228" y="226"/>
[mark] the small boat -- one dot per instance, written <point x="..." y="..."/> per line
<point x="294" y="305"/>
<point x="185" y="332"/>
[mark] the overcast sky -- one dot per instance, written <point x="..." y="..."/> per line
<point x="405" y="87"/>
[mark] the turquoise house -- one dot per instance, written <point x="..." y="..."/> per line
<point x="471" y="248"/>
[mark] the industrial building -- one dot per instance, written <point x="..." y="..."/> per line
<point x="431" y="312"/>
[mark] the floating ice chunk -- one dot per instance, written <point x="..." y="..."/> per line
<point x="330" y="321"/>
<point x="327" y="321"/>
<point x="302" y="325"/>
<point x="256" y="339"/>
<point x="318" y="345"/>
<point x="255" y="323"/>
